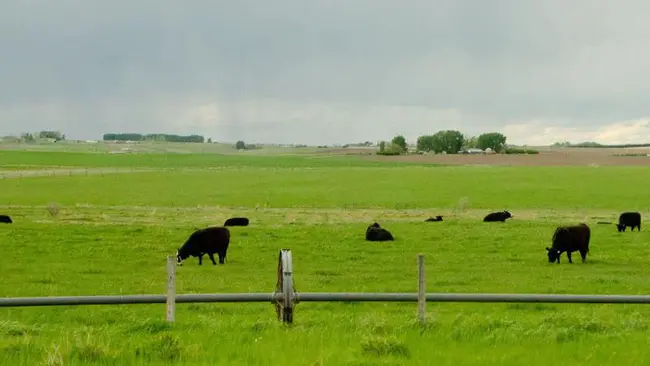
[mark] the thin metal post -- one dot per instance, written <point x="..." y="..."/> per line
<point x="171" y="288"/>
<point x="422" y="291"/>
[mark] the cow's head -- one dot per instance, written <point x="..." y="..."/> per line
<point x="507" y="214"/>
<point x="620" y="227"/>
<point x="553" y="254"/>
<point x="180" y="257"/>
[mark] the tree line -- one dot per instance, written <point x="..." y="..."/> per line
<point x="596" y="145"/>
<point x="152" y="137"/>
<point x="451" y="142"/>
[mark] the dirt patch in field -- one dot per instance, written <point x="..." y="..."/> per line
<point x="200" y="216"/>
<point x="547" y="156"/>
<point x="544" y="158"/>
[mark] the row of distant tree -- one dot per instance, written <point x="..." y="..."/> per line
<point x="448" y="141"/>
<point x="54" y="135"/>
<point x="153" y="137"/>
<point x="241" y="145"/>
<point x="595" y="144"/>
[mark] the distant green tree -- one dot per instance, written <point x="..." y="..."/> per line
<point x="471" y="143"/>
<point x="450" y="141"/>
<point x="400" y="142"/>
<point x="493" y="140"/>
<point x="27" y="137"/>
<point x="424" y="143"/>
<point x="240" y="145"/>
<point x="56" y="135"/>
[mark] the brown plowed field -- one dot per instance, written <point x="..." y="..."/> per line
<point x="546" y="157"/>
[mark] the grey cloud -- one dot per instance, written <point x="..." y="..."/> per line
<point x="146" y="65"/>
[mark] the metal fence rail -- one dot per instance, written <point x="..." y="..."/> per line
<point x="325" y="297"/>
<point x="285" y="297"/>
<point x="133" y="299"/>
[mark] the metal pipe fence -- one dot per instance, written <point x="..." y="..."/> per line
<point x="285" y="297"/>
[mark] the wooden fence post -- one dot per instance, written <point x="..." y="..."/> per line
<point x="422" y="291"/>
<point x="171" y="288"/>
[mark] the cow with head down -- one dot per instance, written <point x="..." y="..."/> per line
<point x="208" y="241"/>
<point x="569" y="239"/>
<point x="629" y="219"/>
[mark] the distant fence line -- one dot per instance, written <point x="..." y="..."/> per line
<point x="54" y="171"/>
<point x="285" y="298"/>
<point x="29" y="172"/>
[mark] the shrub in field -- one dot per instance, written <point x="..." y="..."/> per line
<point x="392" y="149"/>
<point x="517" y="150"/>
<point x="53" y="209"/>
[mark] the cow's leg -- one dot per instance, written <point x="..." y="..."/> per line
<point x="200" y="259"/>
<point x="583" y="254"/>
<point x="568" y="255"/>
<point x="211" y="255"/>
<point x="222" y="258"/>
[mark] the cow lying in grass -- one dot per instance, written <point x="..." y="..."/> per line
<point x="376" y="233"/>
<point x="205" y="241"/>
<point x="236" y="221"/>
<point x="5" y="219"/>
<point x="569" y="239"/>
<point x="497" y="216"/>
<point x="437" y="218"/>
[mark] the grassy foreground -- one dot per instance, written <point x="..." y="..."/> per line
<point x="112" y="234"/>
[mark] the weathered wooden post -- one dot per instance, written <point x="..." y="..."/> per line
<point x="422" y="290"/>
<point x="171" y="288"/>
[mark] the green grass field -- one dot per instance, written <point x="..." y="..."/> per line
<point x="113" y="231"/>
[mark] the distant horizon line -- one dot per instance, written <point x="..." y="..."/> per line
<point x="584" y="144"/>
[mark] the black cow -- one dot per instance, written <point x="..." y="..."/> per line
<point x="236" y="221"/>
<point x="437" y="218"/>
<point x="376" y="233"/>
<point x="497" y="216"/>
<point x="205" y="241"/>
<point x="631" y="219"/>
<point x="569" y="239"/>
<point x="5" y="219"/>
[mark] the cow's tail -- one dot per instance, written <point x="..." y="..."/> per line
<point x="588" y="237"/>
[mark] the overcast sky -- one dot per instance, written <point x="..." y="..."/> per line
<point x="321" y="72"/>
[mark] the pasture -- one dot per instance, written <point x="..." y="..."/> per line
<point x="109" y="234"/>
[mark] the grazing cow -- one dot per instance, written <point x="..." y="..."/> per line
<point x="236" y="221"/>
<point x="631" y="219"/>
<point x="437" y="218"/>
<point x="376" y="233"/>
<point x="497" y="216"/>
<point x="5" y="219"/>
<point x="205" y="241"/>
<point x="569" y="239"/>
